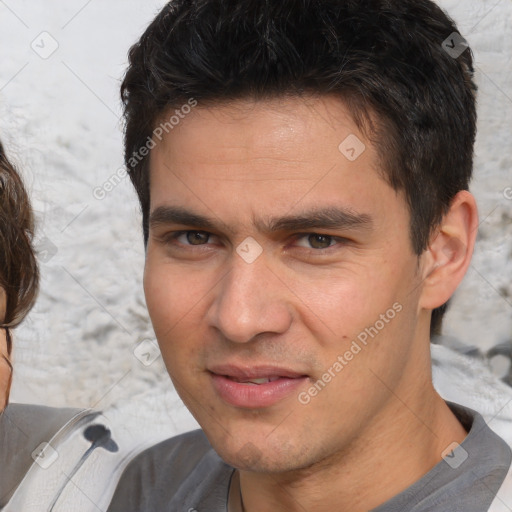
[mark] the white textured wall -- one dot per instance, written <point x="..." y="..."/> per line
<point x="60" y="120"/>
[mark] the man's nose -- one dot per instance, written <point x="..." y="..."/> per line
<point x="250" y="300"/>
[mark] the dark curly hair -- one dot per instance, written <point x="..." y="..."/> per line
<point x="384" y="57"/>
<point x="19" y="273"/>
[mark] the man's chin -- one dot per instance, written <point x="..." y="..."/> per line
<point x="251" y="460"/>
<point x="257" y="454"/>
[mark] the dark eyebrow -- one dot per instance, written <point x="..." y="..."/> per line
<point x="319" y="218"/>
<point x="177" y="215"/>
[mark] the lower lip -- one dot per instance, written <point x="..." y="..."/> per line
<point x="255" y="396"/>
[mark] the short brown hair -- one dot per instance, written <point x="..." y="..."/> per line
<point x="19" y="272"/>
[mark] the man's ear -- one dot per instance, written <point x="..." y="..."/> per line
<point x="446" y="260"/>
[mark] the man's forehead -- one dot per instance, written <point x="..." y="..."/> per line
<point x="272" y="121"/>
<point x="265" y="157"/>
<point x="301" y="137"/>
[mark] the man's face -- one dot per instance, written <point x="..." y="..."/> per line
<point x="253" y="296"/>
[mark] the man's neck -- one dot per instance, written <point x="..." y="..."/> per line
<point x="400" y="448"/>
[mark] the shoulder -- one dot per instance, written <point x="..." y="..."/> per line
<point x="468" y="476"/>
<point x="185" y="450"/>
<point x="23" y="429"/>
<point x="473" y="471"/>
<point x="183" y="469"/>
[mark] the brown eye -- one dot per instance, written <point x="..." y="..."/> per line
<point x="318" y="244"/>
<point x="184" y="240"/>
<point x="315" y="241"/>
<point x="319" y="241"/>
<point x="197" y="237"/>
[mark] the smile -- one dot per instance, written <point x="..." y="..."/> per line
<point x="255" y="387"/>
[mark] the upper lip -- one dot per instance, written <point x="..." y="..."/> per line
<point x="254" y="371"/>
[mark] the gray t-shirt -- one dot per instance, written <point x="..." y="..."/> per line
<point x="185" y="474"/>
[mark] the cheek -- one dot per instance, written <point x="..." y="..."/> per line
<point x="176" y="299"/>
<point x="166" y="297"/>
<point x="347" y="303"/>
<point x="367" y="316"/>
<point x="5" y="372"/>
<point x="5" y="379"/>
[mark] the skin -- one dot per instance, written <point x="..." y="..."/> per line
<point x="301" y="303"/>
<point x="5" y="369"/>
